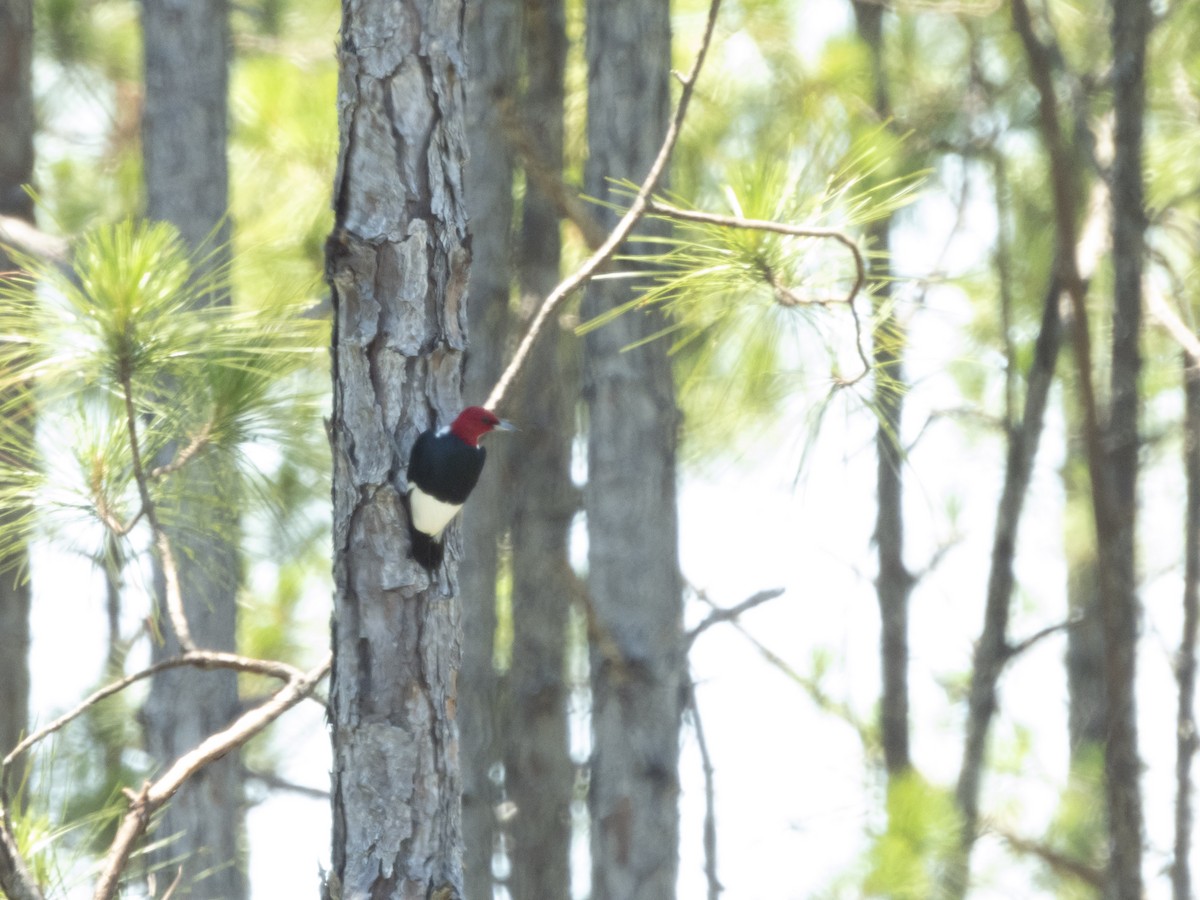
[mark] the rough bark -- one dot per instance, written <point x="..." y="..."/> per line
<point x="893" y="583"/>
<point x="539" y="773"/>
<point x="184" y="135"/>
<point x="397" y="264"/>
<point x="492" y="35"/>
<point x="1130" y="27"/>
<point x="992" y="649"/>
<point x="633" y="572"/>
<point x="1185" y="666"/>
<point x="16" y="170"/>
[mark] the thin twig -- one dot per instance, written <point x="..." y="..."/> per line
<point x="162" y="543"/>
<point x="1038" y="636"/>
<point x="199" y="659"/>
<point x="153" y="795"/>
<point x="1058" y="861"/>
<point x="198" y="442"/>
<point x="636" y="211"/>
<point x="710" y="799"/>
<point x="719" y="615"/>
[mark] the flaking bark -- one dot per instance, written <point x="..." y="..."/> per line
<point x="397" y="264"/>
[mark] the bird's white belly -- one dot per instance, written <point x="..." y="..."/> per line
<point x="430" y="515"/>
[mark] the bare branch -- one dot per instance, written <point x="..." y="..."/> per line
<point x="199" y="659"/>
<point x="710" y="798"/>
<point x="1162" y="313"/>
<point x="28" y="240"/>
<point x="719" y="615"/>
<point x="1058" y="861"/>
<point x="153" y="795"/>
<point x="198" y="442"/>
<point x="1038" y="636"/>
<point x="637" y="209"/>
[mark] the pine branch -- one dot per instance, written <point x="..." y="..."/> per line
<point x="162" y="543"/>
<point x="784" y="295"/>
<point x="637" y="210"/>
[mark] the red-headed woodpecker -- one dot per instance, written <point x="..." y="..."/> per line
<point x="442" y="471"/>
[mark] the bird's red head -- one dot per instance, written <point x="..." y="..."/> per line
<point x="474" y="422"/>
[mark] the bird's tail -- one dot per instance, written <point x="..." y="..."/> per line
<point x="426" y="550"/>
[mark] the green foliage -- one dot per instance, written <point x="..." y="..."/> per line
<point x="753" y="312"/>
<point x="922" y="831"/>
<point x="131" y="341"/>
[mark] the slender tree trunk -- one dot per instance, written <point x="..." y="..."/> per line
<point x="397" y="264"/>
<point x="184" y="136"/>
<point x="992" y="649"/>
<point x="633" y="571"/>
<point x="1130" y="28"/>
<point x="894" y="582"/>
<point x="538" y="769"/>
<point x="492" y="38"/>
<point x="16" y="170"/>
<point x="1185" y="668"/>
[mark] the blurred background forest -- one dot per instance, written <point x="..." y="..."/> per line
<point x="961" y="657"/>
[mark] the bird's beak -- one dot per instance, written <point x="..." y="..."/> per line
<point x="503" y="425"/>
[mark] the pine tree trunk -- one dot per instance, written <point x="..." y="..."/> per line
<point x="492" y="35"/>
<point x="184" y="135"/>
<point x="397" y="264"/>
<point x="16" y="170"/>
<point x="1130" y="28"/>
<point x="893" y="583"/>
<point x="633" y="572"/>
<point x="538" y="769"/>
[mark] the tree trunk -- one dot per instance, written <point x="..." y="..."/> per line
<point x="397" y="264"/>
<point x="492" y="35"/>
<point x="992" y="649"/>
<point x="633" y="572"/>
<point x="184" y="136"/>
<point x="16" y="171"/>
<point x="1130" y="27"/>
<point x="893" y="583"/>
<point x="1185" y="666"/>
<point x="539" y="773"/>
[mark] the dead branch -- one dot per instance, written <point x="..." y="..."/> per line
<point x="635" y="213"/>
<point x="1056" y="860"/>
<point x="719" y="615"/>
<point x="197" y="659"/>
<point x="710" y="796"/>
<point x="153" y="795"/>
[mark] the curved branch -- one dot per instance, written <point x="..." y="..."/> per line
<point x="637" y="210"/>
<point x="154" y="795"/>
<point x="860" y="266"/>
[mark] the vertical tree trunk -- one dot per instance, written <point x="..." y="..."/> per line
<point x="1185" y="669"/>
<point x="893" y="582"/>
<point x="184" y="135"/>
<point x="991" y="651"/>
<point x="1130" y="27"/>
<point x="492" y="36"/>
<point x="397" y="265"/>
<point x="633" y="571"/>
<point x="16" y="170"/>
<point x="538" y="768"/>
